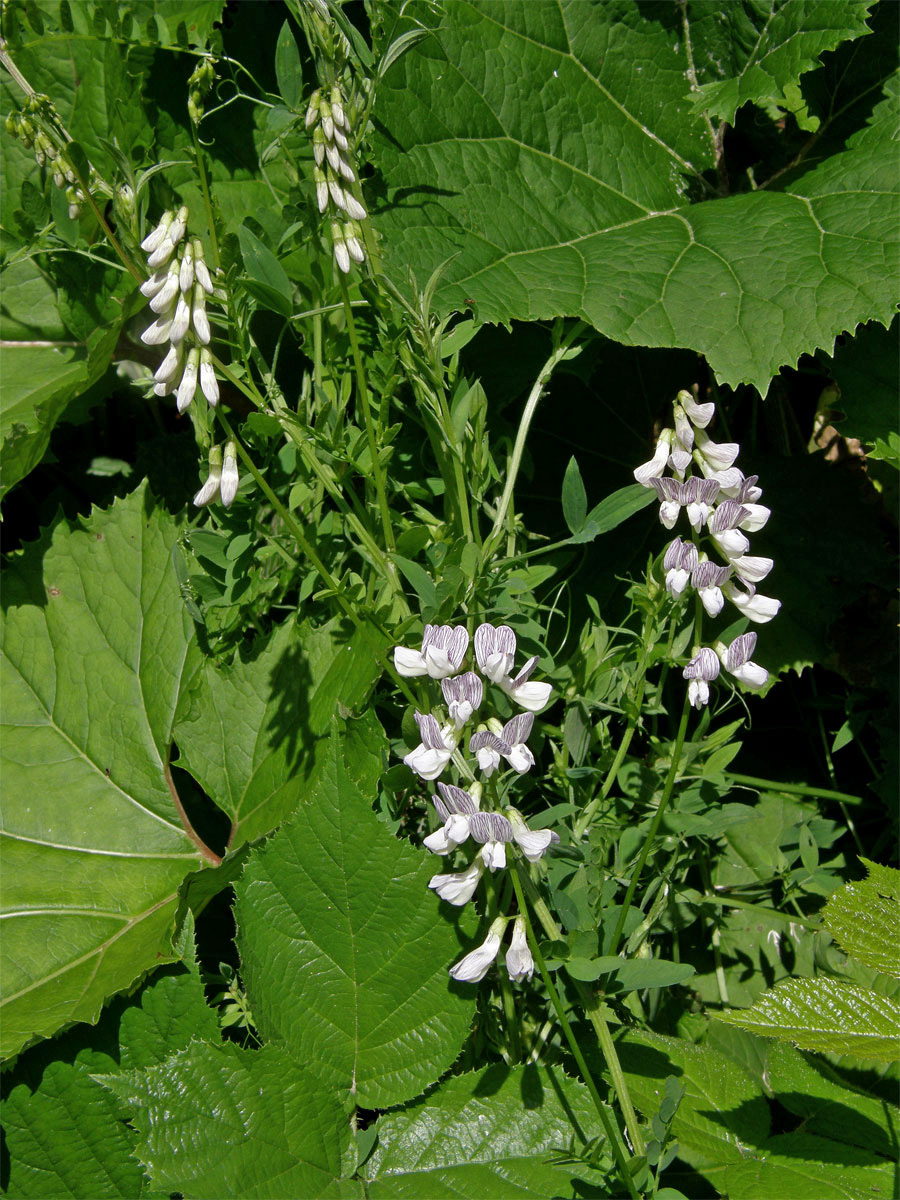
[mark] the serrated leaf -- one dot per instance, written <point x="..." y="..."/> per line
<point x="811" y="1088"/>
<point x="491" y="1133"/>
<point x="97" y="651"/>
<point x="775" y="43"/>
<point x="826" y="1015"/>
<point x="564" y="194"/>
<point x="257" y="1124"/>
<point x="864" y="918"/>
<point x="66" y="1135"/>
<point x="810" y="1168"/>
<point x="344" y="950"/>
<point x="723" y="1110"/>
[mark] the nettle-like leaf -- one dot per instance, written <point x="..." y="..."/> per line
<point x="65" y="1133"/>
<point x="98" y="650"/>
<point x="810" y="1168"/>
<point x="491" y="1133"/>
<point x="544" y="152"/>
<point x="826" y="1015"/>
<point x="343" y="948"/>
<point x="863" y="918"/>
<point x="772" y="44"/>
<point x="218" y="1121"/>
<point x="723" y="1109"/>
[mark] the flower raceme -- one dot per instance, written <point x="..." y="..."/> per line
<point x="722" y="504"/>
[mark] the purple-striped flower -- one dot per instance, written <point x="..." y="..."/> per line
<point x="489" y="747"/>
<point x="434" y="751"/>
<point x="462" y="695"/>
<point x="495" y="652"/>
<point x="678" y="563"/>
<point x="736" y="659"/>
<point x="443" y="649"/>
<point x="701" y="671"/>
<point x="454" y="806"/>
<point x="493" y="832"/>
<point x="708" y="578"/>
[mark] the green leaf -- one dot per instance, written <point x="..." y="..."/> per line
<point x="809" y="1087"/>
<point x="288" y="71"/>
<point x="97" y="652"/>
<point x="865" y="370"/>
<point x="612" y="511"/>
<point x="864" y="917"/>
<point x="344" y="950"/>
<point x="493" y="1133"/>
<point x="65" y="1133"/>
<point x="723" y="1109"/>
<point x="257" y="1125"/>
<point x="574" y="497"/>
<point x="565" y="194"/>
<point x="420" y="580"/>
<point x="265" y="270"/>
<point x="826" y="1015"/>
<point x="810" y="1168"/>
<point x="774" y="44"/>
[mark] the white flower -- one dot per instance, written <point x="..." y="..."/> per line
<point x="434" y="751"/>
<point x="354" y="245"/>
<point x="657" y="464"/>
<point x="532" y="842"/>
<point x="757" y="515"/>
<point x="495" y="650"/>
<point x="475" y="965"/>
<point x="671" y="497"/>
<point x="170" y="366"/>
<point x="156" y="237"/>
<point x="722" y="526"/>
<point x="181" y="321"/>
<point x="210" y="489"/>
<point x="678" y="562"/>
<point x="462" y="696"/>
<point x="736" y="660"/>
<point x="201" y="274"/>
<point x="729" y="481"/>
<point x="708" y="578"/>
<point x="353" y="208"/>
<point x="443" y="649"/>
<point x="748" y="493"/>
<point x="493" y="832"/>
<point x="751" y="604"/>
<point x="486" y="748"/>
<point x="198" y="314"/>
<point x="701" y="670"/>
<point x="519" y="962"/>
<point x="699" y="495"/>
<point x="188" y="385"/>
<point x="151" y="286"/>
<point x="699" y="414"/>
<point x="514" y="735"/>
<point x="160" y="330"/>
<point x="230" y="478"/>
<point x="186" y="270"/>
<point x="341" y="253"/>
<point x="209" y="385"/>
<point x="454" y="807"/>
<point x="161" y="254"/>
<point x="178" y="226"/>
<point x="750" y="569"/>
<point x="458" y="887"/>
<point x="719" y="455"/>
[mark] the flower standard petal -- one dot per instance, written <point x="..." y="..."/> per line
<point x="757" y="608"/>
<point x="409" y="663"/>
<point x="655" y="466"/>
<point x="458" y="887"/>
<point x="519" y="962"/>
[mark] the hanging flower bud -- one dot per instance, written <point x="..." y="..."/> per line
<point x="341" y="254"/>
<point x="198" y="314"/>
<point x="210" y="489"/>
<point x="200" y="271"/>
<point x="519" y="962"/>
<point x="230" y="478"/>
<point x="474" y="966"/>
<point x="188" y="385"/>
<point x="209" y="385"/>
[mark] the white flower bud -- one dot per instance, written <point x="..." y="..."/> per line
<point x="353" y="208"/>
<point x="186" y="273"/>
<point x="345" y="169"/>
<point x="210" y="489"/>
<point x="188" y="385"/>
<point x="209" y="385"/>
<point x="519" y="962"/>
<point x="178" y="226"/>
<point x="167" y="293"/>
<point x="198" y="314"/>
<point x="160" y="330"/>
<point x="169" y="367"/>
<point x="312" y="112"/>
<point x="201" y="274"/>
<point x="181" y="320"/>
<point x="230" y="478"/>
<point x="156" y="237"/>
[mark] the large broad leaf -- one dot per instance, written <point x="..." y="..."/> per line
<point x="825" y="1014"/>
<point x="217" y="1121"/>
<point x="810" y="1168"/>
<point x="772" y="44"/>
<point x="864" y="918"/>
<point x="808" y="1086"/>
<point x="494" y="1133"/>
<point x="343" y="948"/>
<point x="547" y="149"/>
<point x="66" y="1134"/>
<point x="723" y="1109"/>
<point x="97" y="651"/>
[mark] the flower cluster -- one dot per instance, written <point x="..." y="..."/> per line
<point x="441" y="658"/>
<point x="177" y="292"/>
<point x="333" y="173"/>
<point x="223" y="478"/>
<point x="721" y="504"/>
<point x="47" y="153"/>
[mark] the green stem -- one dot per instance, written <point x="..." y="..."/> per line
<point x="462" y="495"/>
<point x="362" y="391"/>
<point x="654" y="826"/>
<point x="612" y="1134"/>
<point x="561" y="351"/>
<point x="594" y="1012"/>
<point x="312" y="554"/>
<point x="207" y="199"/>
<point x="797" y="789"/>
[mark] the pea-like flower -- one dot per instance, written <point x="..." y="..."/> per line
<point x="462" y="695"/>
<point x="434" y="751"/>
<point x="509" y="743"/>
<point x="736" y="659"/>
<point x="751" y="604"/>
<point x="532" y="842"/>
<point x="679" y="561"/>
<point x="701" y="671"/>
<point x="458" y="887"/>
<point x="475" y="965"/>
<point x="708" y="579"/>
<point x="654" y="467"/>
<point x="443" y="649"/>
<point x="495" y="652"/>
<point x="723" y="527"/>
<point x="493" y="832"/>
<point x="455" y="807"/>
<point x="519" y="962"/>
